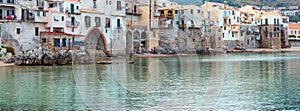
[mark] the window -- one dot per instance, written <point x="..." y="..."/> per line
<point x="266" y="21"/>
<point x="233" y="35"/>
<point x="275" y="21"/>
<point x="107" y="25"/>
<point x="106" y="2"/>
<point x="64" y="42"/>
<point x="223" y="35"/>
<point x="119" y="5"/>
<point x="233" y="12"/>
<point x="56" y="18"/>
<point x="56" y="42"/>
<point x="62" y="18"/>
<point x="77" y="7"/>
<point x="224" y="27"/>
<point x="51" y="5"/>
<point x="98" y="21"/>
<point x="44" y="40"/>
<point x="95" y="3"/>
<point x="278" y="21"/>
<point x="299" y="32"/>
<point x="225" y="13"/>
<point x="18" y="30"/>
<point x="192" y="11"/>
<point x="199" y="11"/>
<point x="1" y="14"/>
<point x="73" y="29"/>
<point x="176" y="11"/>
<point x="38" y="13"/>
<point x="109" y="2"/>
<point x="118" y="23"/>
<point x="44" y="14"/>
<point x="87" y="20"/>
<point x="291" y="32"/>
<point x="36" y="31"/>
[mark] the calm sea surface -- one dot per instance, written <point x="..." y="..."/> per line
<point x="248" y="81"/>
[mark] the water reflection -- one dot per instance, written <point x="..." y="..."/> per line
<point x="221" y="82"/>
<point x="38" y="88"/>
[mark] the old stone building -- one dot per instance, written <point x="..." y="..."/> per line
<point x="270" y="30"/>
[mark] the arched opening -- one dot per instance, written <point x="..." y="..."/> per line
<point x="170" y="13"/>
<point x="144" y="40"/>
<point x="95" y="41"/>
<point x="128" y="42"/>
<point x="136" y="40"/>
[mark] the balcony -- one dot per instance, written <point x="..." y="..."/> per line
<point x="72" y="24"/>
<point x="7" y="4"/>
<point x="7" y="18"/>
<point x="225" y="16"/>
<point x="133" y="13"/>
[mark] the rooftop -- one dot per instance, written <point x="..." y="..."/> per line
<point x="294" y="25"/>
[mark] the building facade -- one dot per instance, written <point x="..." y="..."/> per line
<point x="294" y="34"/>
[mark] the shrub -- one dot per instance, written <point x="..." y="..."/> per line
<point x="10" y="49"/>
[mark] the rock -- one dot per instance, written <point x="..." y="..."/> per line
<point x="9" y="58"/>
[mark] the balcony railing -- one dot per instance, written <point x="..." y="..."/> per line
<point x="72" y="24"/>
<point x="9" y="17"/>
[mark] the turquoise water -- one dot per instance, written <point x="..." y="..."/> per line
<point x="248" y="81"/>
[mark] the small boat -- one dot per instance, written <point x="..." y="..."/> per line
<point x="104" y="62"/>
<point x="130" y="62"/>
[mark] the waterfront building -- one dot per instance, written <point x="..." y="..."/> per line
<point x="227" y="18"/>
<point x="250" y="36"/>
<point x="63" y="24"/>
<point x="141" y="24"/>
<point x="22" y="21"/>
<point x="270" y="30"/>
<point x="290" y="12"/>
<point x="294" y="34"/>
<point x="250" y="33"/>
<point x="105" y="20"/>
<point x="188" y="16"/>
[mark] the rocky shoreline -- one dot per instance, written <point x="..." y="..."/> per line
<point x="64" y="57"/>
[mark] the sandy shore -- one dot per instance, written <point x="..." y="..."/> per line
<point x="154" y="55"/>
<point x="293" y="49"/>
<point x="2" y="64"/>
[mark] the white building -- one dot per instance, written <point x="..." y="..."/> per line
<point x="190" y="15"/>
<point x="290" y="13"/>
<point x="108" y="18"/>
<point x="22" y="23"/>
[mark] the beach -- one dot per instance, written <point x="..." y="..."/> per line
<point x="2" y="64"/>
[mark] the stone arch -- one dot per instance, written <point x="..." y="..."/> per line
<point x="128" y="42"/>
<point x="144" y="35"/>
<point x="144" y="39"/>
<point x="136" y="36"/>
<point x="136" y="39"/>
<point x="95" y="39"/>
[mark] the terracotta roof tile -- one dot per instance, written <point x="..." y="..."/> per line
<point x="294" y="25"/>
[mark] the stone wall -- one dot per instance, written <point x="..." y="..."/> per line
<point x="269" y="37"/>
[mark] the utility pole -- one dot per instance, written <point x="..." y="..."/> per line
<point x="150" y="13"/>
<point x="131" y="14"/>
